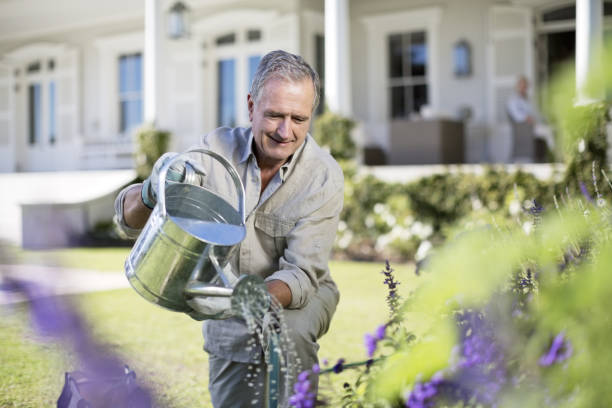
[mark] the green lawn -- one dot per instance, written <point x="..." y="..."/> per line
<point x="163" y="347"/>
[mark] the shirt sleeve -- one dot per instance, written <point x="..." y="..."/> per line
<point x="123" y="229"/>
<point x="305" y="260"/>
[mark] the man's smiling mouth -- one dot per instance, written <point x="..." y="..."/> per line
<point x="281" y="142"/>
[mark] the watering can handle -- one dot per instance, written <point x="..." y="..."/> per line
<point x="161" y="188"/>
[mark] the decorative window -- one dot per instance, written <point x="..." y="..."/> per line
<point x="34" y="113"/>
<point x="253" y="35"/>
<point x="462" y="59"/>
<point x="226" y="39"/>
<point x="130" y="92"/>
<point x="33" y="67"/>
<point x="52" y="101"/>
<point x="226" y="114"/>
<point x="408" y="88"/>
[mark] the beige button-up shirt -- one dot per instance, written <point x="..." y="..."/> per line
<point x="291" y="226"/>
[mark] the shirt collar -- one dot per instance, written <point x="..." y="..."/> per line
<point x="285" y="169"/>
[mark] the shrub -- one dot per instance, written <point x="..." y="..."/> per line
<point x="384" y="220"/>
<point x="333" y="132"/>
<point x="151" y="144"/>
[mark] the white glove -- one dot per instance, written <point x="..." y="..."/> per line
<point x="214" y="307"/>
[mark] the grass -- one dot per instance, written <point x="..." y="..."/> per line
<point x="101" y="259"/>
<point x="163" y="347"/>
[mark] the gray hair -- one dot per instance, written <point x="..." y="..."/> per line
<point x="285" y="65"/>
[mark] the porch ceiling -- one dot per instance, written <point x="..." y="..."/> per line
<point x="537" y="3"/>
<point x="26" y="18"/>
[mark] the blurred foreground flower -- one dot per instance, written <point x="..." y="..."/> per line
<point x="107" y="379"/>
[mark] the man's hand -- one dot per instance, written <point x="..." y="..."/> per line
<point x="149" y="187"/>
<point x="280" y="290"/>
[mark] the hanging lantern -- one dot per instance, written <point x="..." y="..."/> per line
<point x="178" y="21"/>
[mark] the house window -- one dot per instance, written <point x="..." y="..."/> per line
<point x="130" y="91"/>
<point x="320" y="68"/>
<point x="52" y="129"/>
<point x="253" y="64"/>
<point x="34" y="113"/>
<point x="226" y="115"/>
<point x="408" y="67"/>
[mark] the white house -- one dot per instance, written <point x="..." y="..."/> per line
<point x="72" y="85"/>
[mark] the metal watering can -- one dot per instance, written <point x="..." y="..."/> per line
<point x="182" y="253"/>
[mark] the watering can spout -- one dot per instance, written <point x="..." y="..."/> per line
<point x="249" y="295"/>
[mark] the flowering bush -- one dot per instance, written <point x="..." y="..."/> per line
<point x="403" y="221"/>
<point x="514" y="317"/>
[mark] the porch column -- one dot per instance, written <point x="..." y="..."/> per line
<point x="337" y="43"/>
<point x="151" y="57"/>
<point x="589" y="40"/>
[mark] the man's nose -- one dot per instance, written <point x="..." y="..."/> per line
<point x="284" y="128"/>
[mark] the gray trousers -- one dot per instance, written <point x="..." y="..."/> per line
<point x="241" y="385"/>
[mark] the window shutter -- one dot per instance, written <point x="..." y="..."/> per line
<point x="7" y="103"/>
<point x="67" y="97"/>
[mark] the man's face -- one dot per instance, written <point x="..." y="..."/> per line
<point x="280" y="119"/>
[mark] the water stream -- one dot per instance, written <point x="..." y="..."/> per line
<point x="264" y="317"/>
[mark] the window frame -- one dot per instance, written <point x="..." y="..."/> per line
<point x="40" y="130"/>
<point x="130" y="95"/>
<point x="408" y="81"/>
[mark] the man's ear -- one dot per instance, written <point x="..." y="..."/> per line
<point x="250" y="106"/>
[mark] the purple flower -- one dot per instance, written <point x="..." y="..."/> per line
<point x="371" y="340"/>
<point x="380" y="332"/>
<point x="393" y="299"/>
<point x="422" y="394"/>
<point x="55" y="318"/>
<point x="585" y="192"/>
<point x="370" y="344"/>
<point x="339" y="366"/>
<point x="303" y="397"/>
<point x="560" y="350"/>
<point x="482" y="369"/>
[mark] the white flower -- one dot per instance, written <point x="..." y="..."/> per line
<point x="342" y="226"/>
<point x="382" y="241"/>
<point x="379" y="208"/>
<point x="345" y="240"/>
<point x="514" y="208"/>
<point x="389" y="219"/>
<point x="369" y="221"/>
<point x="581" y="146"/>
<point x="476" y="204"/>
<point x="421" y="230"/>
<point x="423" y="250"/>
<point x="527" y="227"/>
<point x="601" y="202"/>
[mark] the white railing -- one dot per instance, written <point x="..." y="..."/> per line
<point x="107" y="154"/>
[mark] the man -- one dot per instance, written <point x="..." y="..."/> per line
<point x="518" y="106"/>
<point x="294" y="195"/>
<point x="529" y="138"/>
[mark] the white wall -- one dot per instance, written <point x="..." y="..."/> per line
<point x="458" y="20"/>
